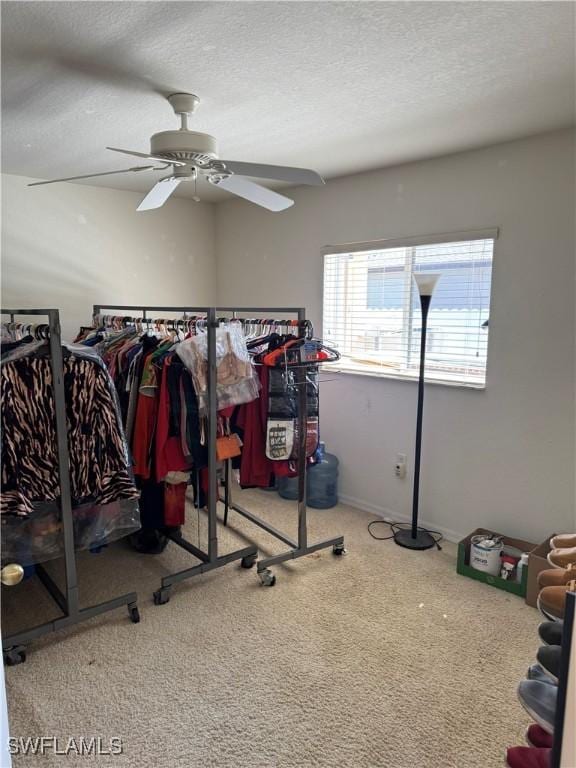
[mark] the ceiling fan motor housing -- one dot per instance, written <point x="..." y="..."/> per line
<point x="187" y="146"/>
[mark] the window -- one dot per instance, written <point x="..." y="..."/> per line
<point x="385" y="288"/>
<point x="372" y="307"/>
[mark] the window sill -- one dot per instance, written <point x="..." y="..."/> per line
<point x="402" y="377"/>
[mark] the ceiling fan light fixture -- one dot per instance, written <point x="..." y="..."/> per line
<point x="184" y="146"/>
<point x="190" y="152"/>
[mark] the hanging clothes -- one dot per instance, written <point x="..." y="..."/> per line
<point x="178" y="439"/>
<point x="249" y="420"/>
<point x="162" y="418"/>
<point x="99" y="471"/>
<point x="146" y="411"/>
<point x="104" y="495"/>
<point x="164" y="383"/>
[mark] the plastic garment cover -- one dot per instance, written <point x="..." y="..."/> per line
<point x="237" y="381"/>
<point x="40" y="536"/>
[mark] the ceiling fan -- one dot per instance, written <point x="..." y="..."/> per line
<point x="189" y="154"/>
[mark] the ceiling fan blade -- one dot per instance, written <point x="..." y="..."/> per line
<point x="277" y="172"/>
<point x="255" y="193"/>
<point x="148" y="157"/>
<point x="159" y="193"/>
<point x="93" y="175"/>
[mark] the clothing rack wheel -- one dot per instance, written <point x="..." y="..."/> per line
<point x="161" y="596"/>
<point x="14" y="656"/>
<point x="267" y="578"/>
<point x="248" y="562"/>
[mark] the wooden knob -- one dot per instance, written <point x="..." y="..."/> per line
<point x="11" y="574"/>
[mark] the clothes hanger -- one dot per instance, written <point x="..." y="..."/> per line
<point x="41" y="332"/>
<point x="258" y="340"/>
<point x="290" y="355"/>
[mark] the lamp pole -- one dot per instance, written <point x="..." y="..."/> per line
<point x="414" y="537"/>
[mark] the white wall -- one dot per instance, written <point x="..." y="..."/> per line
<point x="70" y="246"/>
<point x="503" y="458"/>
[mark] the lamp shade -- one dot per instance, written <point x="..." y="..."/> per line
<point x="426" y="282"/>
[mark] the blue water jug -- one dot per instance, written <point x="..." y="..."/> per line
<point x="322" y="481"/>
<point x="288" y="487"/>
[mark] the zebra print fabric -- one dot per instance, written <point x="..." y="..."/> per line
<point x="99" y="470"/>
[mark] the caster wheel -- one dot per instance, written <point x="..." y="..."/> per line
<point x="14" y="656"/>
<point x="248" y="562"/>
<point x="339" y="550"/>
<point x="134" y="614"/>
<point x="161" y="597"/>
<point x="267" y="578"/>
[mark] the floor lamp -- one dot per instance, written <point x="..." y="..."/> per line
<point x="414" y="537"/>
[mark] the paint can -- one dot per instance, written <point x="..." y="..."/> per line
<point x="485" y="553"/>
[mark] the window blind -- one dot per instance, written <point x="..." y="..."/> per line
<point x="371" y="311"/>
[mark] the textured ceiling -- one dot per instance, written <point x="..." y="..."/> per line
<point x="337" y="86"/>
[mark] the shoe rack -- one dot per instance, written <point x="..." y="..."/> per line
<point x="564" y="750"/>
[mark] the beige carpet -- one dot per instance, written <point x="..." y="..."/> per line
<point x="383" y="658"/>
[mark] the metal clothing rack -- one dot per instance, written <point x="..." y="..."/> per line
<point x="210" y="560"/>
<point x="298" y="548"/>
<point x="13" y="646"/>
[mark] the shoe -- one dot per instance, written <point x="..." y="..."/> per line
<point x="563" y="541"/>
<point x="528" y="757"/>
<point x="562" y="558"/>
<point x="539" y="700"/>
<point x="148" y="541"/>
<point x="556" y="577"/>
<point x="550" y="632"/>
<point x="552" y="600"/>
<point x="537" y="737"/>
<point x="537" y="672"/>
<point x="549" y="659"/>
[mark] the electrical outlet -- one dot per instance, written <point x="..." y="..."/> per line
<point x="400" y="466"/>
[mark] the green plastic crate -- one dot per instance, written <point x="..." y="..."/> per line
<point x="464" y="569"/>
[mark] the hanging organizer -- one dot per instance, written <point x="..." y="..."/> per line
<point x="14" y="646"/>
<point x="248" y="556"/>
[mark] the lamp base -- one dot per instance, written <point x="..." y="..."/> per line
<point x="423" y="539"/>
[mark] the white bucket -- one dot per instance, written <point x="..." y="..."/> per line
<point x="484" y="558"/>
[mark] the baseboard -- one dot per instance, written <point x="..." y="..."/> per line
<point x="388" y="514"/>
